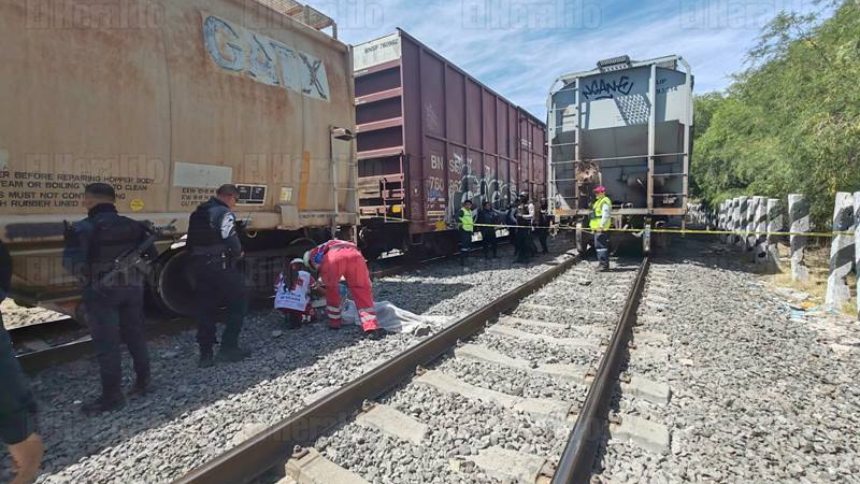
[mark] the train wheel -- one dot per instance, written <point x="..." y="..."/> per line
<point x="298" y="247"/>
<point x="366" y="242"/>
<point x="172" y="284"/>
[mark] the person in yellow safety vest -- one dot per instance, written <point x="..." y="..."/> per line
<point x="465" y="227"/>
<point x="601" y="221"/>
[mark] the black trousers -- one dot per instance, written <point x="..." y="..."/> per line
<point x="17" y="405"/>
<point x="532" y="247"/>
<point x="543" y="234"/>
<point x="465" y="244"/>
<point x="218" y="286"/>
<point x="490" y="242"/>
<point x="524" y="244"/>
<point x="115" y="315"/>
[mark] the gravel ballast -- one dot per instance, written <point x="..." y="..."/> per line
<point x="460" y="427"/>
<point x="758" y="395"/>
<point x="195" y="414"/>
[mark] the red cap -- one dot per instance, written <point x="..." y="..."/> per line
<point x="600" y="189"/>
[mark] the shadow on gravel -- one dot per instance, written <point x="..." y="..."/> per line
<point x="180" y="388"/>
<point x="709" y="251"/>
<point x="623" y="269"/>
<point x="187" y="397"/>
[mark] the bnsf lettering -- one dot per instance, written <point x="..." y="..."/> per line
<point x="386" y="44"/>
<point x="437" y="162"/>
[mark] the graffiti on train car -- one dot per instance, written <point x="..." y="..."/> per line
<point x="468" y="185"/>
<point x="607" y="88"/>
<point x="263" y="59"/>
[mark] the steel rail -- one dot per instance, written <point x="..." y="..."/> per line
<point x="83" y="347"/>
<point x="407" y="266"/>
<point x="418" y="264"/>
<point x="577" y="461"/>
<point x="274" y="445"/>
<point x="37" y="330"/>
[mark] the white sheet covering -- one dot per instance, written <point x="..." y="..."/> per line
<point x="391" y="318"/>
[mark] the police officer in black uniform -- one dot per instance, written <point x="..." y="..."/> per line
<point x="543" y="220"/>
<point x="215" y="252"/>
<point x="113" y="300"/>
<point x="17" y="405"/>
<point x="523" y="237"/>
<point x="488" y="219"/>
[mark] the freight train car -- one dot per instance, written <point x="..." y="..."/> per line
<point x="166" y="100"/>
<point x="429" y="137"/>
<point x="626" y="125"/>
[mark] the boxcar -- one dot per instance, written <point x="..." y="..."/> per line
<point x="429" y="137"/>
<point x="626" y="125"/>
<point x="166" y="100"/>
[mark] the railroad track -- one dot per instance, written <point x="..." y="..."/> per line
<point x="518" y="390"/>
<point x="38" y="349"/>
<point x="404" y="264"/>
<point x="37" y="335"/>
<point x="640" y="399"/>
<point x="82" y="346"/>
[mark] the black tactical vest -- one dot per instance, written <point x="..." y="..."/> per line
<point x="114" y="236"/>
<point x="202" y="232"/>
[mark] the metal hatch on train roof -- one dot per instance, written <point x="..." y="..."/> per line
<point x="303" y="13"/>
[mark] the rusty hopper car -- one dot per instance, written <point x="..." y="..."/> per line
<point x="429" y="136"/>
<point x="166" y="100"/>
<point x="626" y="125"/>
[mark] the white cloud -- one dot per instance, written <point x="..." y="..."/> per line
<point x="521" y="56"/>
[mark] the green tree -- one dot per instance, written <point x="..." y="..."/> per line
<point x="791" y="121"/>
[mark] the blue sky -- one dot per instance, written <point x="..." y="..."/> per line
<point x="518" y="47"/>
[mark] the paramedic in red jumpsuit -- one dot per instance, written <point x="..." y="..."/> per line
<point x="333" y="260"/>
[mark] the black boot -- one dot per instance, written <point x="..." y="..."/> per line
<point x="105" y="403"/>
<point x="142" y="387"/>
<point x="374" y="334"/>
<point x="232" y="354"/>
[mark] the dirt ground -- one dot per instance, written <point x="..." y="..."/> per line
<point x="818" y="261"/>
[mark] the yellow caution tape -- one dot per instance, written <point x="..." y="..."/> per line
<point x="686" y="231"/>
<point x="742" y="233"/>
<point x="683" y="231"/>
